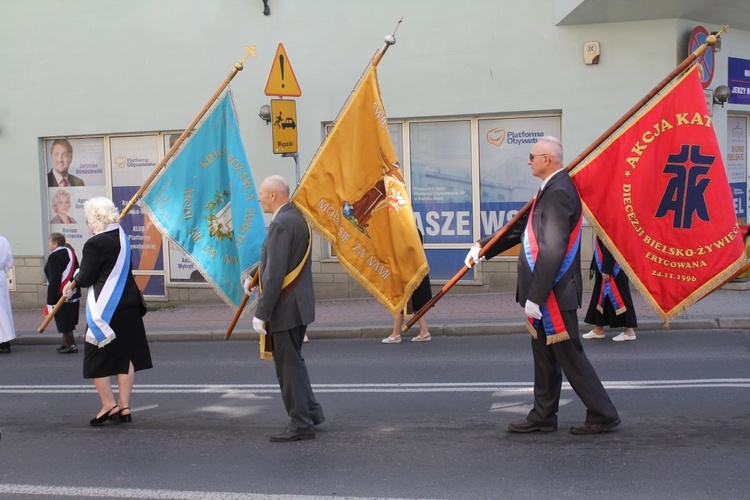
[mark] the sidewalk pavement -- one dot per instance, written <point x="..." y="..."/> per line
<point x="454" y="314"/>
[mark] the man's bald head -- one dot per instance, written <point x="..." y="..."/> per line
<point x="273" y="193"/>
<point x="277" y="183"/>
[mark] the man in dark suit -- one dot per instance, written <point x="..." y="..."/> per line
<point x="550" y="289"/>
<point x="62" y="156"/>
<point x="285" y="311"/>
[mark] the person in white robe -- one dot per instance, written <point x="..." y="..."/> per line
<point x="7" y="330"/>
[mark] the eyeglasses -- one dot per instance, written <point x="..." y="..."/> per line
<point x="531" y="156"/>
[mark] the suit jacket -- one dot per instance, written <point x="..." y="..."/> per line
<point x="53" y="269"/>
<point x="72" y="180"/>
<point x="284" y="248"/>
<point x="555" y="215"/>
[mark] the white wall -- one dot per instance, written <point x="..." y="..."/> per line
<point x="101" y="66"/>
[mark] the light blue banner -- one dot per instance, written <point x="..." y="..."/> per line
<point x="207" y="203"/>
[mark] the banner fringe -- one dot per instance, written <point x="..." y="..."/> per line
<point x="694" y="297"/>
<point x="206" y="276"/>
<point x="393" y="307"/>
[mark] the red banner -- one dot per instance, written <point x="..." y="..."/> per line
<point x="657" y="194"/>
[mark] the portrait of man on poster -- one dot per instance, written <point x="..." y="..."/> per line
<point x="62" y="156"/>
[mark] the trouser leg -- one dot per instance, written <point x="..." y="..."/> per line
<point x="581" y="374"/>
<point x="294" y="381"/>
<point x="547" y="383"/>
<point x="68" y="339"/>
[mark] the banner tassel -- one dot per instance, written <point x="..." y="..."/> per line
<point x="266" y="347"/>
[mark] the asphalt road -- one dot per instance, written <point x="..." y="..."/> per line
<point x="404" y="421"/>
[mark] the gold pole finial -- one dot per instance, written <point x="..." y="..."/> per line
<point x="249" y="52"/>
<point x="715" y="38"/>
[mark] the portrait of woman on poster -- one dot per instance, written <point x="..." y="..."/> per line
<point x="61" y="207"/>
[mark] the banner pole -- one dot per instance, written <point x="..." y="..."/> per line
<point x="388" y="40"/>
<point x="51" y="315"/>
<point x="238" y="312"/>
<point x="689" y="60"/>
<point x="238" y="66"/>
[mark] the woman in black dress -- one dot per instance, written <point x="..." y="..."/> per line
<point x="614" y="307"/>
<point x="59" y="269"/>
<point x="421" y="296"/>
<point x="116" y="338"/>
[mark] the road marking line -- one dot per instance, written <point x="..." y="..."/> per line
<point x="509" y="387"/>
<point x="73" y="491"/>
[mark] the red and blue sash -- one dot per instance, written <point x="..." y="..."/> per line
<point x="65" y="277"/>
<point x="609" y="288"/>
<point x="552" y="319"/>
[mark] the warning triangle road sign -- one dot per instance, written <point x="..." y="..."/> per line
<point x="281" y="80"/>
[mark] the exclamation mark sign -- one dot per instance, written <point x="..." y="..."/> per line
<point x="281" y="65"/>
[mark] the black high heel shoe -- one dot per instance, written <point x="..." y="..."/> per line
<point x="100" y="419"/>
<point x="125" y="418"/>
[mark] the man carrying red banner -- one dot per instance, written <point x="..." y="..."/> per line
<point x="550" y="288"/>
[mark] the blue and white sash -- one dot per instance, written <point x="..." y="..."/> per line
<point x="99" y="311"/>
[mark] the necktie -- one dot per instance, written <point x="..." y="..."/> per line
<point x="64" y="183"/>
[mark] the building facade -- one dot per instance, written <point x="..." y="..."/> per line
<point x="468" y="87"/>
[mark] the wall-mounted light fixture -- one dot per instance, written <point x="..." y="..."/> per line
<point x="721" y="95"/>
<point x="265" y="113"/>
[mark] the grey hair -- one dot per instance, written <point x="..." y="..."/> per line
<point x="278" y="184"/>
<point x="554" y="147"/>
<point x="100" y="213"/>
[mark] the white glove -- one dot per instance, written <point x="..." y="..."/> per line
<point x="532" y="310"/>
<point x="246" y="286"/>
<point x="473" y="256"/>
<point x="258" y="326"/>
<point x="68" y="294"/>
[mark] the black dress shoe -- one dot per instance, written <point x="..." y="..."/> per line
<point x="587" y="428"/>
<point x="5" y="347"/>
<point x="288" y="436"/>
<point x="100" y="419"/>
<point x="526" y="426"/>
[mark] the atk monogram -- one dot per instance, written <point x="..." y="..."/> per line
<point x="685" y="194"/>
